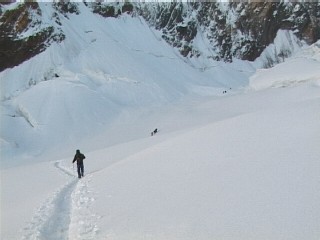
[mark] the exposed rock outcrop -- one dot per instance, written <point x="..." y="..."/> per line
<point x="16" y="46"/>
<point x="234" y="30"/>
<point x="230" y="30"/>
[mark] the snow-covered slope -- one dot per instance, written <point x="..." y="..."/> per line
<point x="252" y="176"/>
<point x="74" y="90"/>
<point x="234" y="167"/>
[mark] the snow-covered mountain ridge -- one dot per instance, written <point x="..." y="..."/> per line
<point x="226" y="30"/>
<point x="77" y="89"/>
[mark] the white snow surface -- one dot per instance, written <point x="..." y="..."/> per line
<point x="239" y="165"/>
<point x="304" y="67"/>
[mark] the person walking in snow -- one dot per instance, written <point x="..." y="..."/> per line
<point x="79" y="158"/>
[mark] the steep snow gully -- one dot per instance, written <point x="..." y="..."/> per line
<point x="64" y="215"/>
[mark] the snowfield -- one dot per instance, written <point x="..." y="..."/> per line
<point x="253" y="176"/>
<point x="250" y="170"/>
<point x="237" y="165"/>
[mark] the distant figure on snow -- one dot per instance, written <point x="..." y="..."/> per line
<point x="79" y="158"/>
<point x="154" y="132"/>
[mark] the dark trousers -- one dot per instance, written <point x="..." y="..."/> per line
<point x="80" y="170"/>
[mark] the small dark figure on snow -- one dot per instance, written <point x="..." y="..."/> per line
<point x="154" y="132"/>
<point x="79" y="158"/>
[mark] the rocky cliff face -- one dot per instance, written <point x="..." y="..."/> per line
<point x="22" y="34"/>
<point x="234" y="30"/>
<point x="229" y="30"/>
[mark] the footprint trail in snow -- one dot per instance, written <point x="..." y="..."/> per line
<point x="57" y="226"/>
<point x="65" y="215"/>
<point x="83" y="223"/>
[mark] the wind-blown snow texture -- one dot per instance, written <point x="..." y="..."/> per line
<point x="237" y="165"/>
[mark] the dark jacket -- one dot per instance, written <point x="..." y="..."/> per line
<point x="79" y="158"/>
